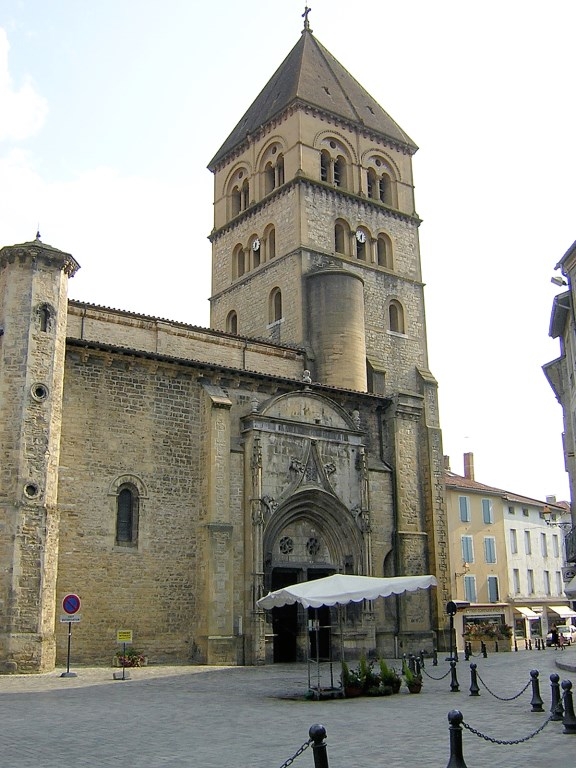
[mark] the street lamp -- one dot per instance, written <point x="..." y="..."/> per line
<point x="547" y="516"/>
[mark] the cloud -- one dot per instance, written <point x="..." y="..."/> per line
<point x="23" y="110"/>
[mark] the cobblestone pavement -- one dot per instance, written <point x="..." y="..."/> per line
<point x="257" y="717"/>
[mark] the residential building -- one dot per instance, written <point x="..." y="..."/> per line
<point x="507" y="556"/>
<point x="170" y="475"/>
<point x="560" y="374"/>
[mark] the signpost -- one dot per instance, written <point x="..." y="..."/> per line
<point x="123" y="636"/>
<point x="70" y="606"/>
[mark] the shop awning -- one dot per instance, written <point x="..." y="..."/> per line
<point x="563" y="610"/>
<point x="528" y="613"/>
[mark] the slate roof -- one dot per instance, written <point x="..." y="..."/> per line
<point x="311" y="74"/>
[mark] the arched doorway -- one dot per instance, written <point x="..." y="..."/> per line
<point x="309" y="537"/>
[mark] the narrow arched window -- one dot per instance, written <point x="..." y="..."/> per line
<point x="396" y="317"/>
<point x="269" y="178"/>
<point x="385" y="189"/>
<point x="44" y="313"/>
<point x="127" y="516"/>
<point x="324" y="165"/>
<point x="280" y="171"/>
<point x="340" y="172"/>
<point x="372" y="183"/>
<point x="235" y="201"/>
<point x="271" y="243"/>
<point x="238" y="262"/>
<point x="245" y="196"/>
<point x="339" y="238"/>
<point x="232" y="322"/>
<point x="361" y="245"/>
<point x="275" y="305"/>
<point x="384" y="246"/>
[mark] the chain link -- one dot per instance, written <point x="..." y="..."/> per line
<point x="296" y="754"/>
<point x="503" y="741"/>
<point x="436" y="678"/>
<point x="502" y="698"/>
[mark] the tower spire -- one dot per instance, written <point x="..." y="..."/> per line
<point x="305" y="17"/>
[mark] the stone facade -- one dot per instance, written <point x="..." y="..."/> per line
<point x="170" y="475"/>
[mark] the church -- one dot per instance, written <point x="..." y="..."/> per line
<point x="171" y="475"/>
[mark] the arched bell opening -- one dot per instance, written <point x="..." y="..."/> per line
<point x="311" y="536"/>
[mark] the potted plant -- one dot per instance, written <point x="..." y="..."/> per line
<point x="350" y="680"/>
<point x="389" y="678"/>
<point x="413" y="681"/>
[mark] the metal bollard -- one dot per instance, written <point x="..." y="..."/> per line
<point x="569" y="719"/>
<point x="318" y="733"/>
<point x="537" y="703"/>
<point x="515" y="645"/>
<point x="454" y="686"/>
<point x="434" y="658"/>
<point x="496" y="649"/>
<point x="466" y="652"/>
<point x="556" y="707"/>
<point x="456" y="754"/>
<point x="483" y="649"/>
<point x="530" y="644"/>
<point x="474" y="689"/>
<point x="422" y="665"/>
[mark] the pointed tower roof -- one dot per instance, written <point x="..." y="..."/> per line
<point x="311" y="75"/>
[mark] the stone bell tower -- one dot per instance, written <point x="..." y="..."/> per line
<point x="315" y="243"/>
<point x="33" y="304"/>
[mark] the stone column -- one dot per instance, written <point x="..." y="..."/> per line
<point x="412" y="553"/>
<point x="219" y="594"/>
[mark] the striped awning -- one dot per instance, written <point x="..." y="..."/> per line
<point x="528" y="613"/>
<point x="563" y="610"/>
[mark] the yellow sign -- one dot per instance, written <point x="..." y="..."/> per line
<point x="124" y="636"/>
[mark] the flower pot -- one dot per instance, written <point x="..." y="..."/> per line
<point x="352" y="691"/>
<point x="415" y="687"/>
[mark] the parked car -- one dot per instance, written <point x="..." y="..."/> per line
<point x="568" y="632"/>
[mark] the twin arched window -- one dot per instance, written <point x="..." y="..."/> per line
<point x="334" y="167"/>
<point x="273" y="175"/>
<point x="256" y="252"/>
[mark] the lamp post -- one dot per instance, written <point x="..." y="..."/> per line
<point x="451" y="609"/>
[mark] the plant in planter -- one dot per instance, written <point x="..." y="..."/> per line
<point x="368" y="678"/>
<point x="389" y="678"/>
<point x="350" y="681"/>
<point x="130" y="657"/>
<point x="413" y="681"/>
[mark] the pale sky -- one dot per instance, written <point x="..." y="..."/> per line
<point x="110" y="112"/>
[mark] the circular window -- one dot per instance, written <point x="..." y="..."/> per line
<point x="333" y="144"/>
<point x="39" y="391"/>
<point x="286" y="545"/>
<point x="31" y="490"/>
<point x="313" y="546"/>
<point x="274" y="150"/>
<point x="241" y="174"/>
<point x="378" y="162"/>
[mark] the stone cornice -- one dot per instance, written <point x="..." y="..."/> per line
<point x="36" y="250"/>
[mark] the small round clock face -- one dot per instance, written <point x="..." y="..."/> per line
<point x="255" y="244"/>
<point x="360" y="236"/>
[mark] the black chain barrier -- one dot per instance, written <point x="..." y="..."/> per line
<point x="296" y="754"/>
<point x="435" y="678"/>
<point x="504" y="741"/>
<point x="502" y="698"/>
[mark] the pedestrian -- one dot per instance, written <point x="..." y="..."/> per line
<point x="554" y="637"/>
<point x="561" y="641"/>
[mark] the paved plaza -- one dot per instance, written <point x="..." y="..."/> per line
<point x="257" y="717"/>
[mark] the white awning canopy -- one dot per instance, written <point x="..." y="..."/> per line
<point x="341" y="589"/>
<point x="563" y="610"/>
<point x="528" y="613"/>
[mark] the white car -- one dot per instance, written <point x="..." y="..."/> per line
<point x="568" y="632"/>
